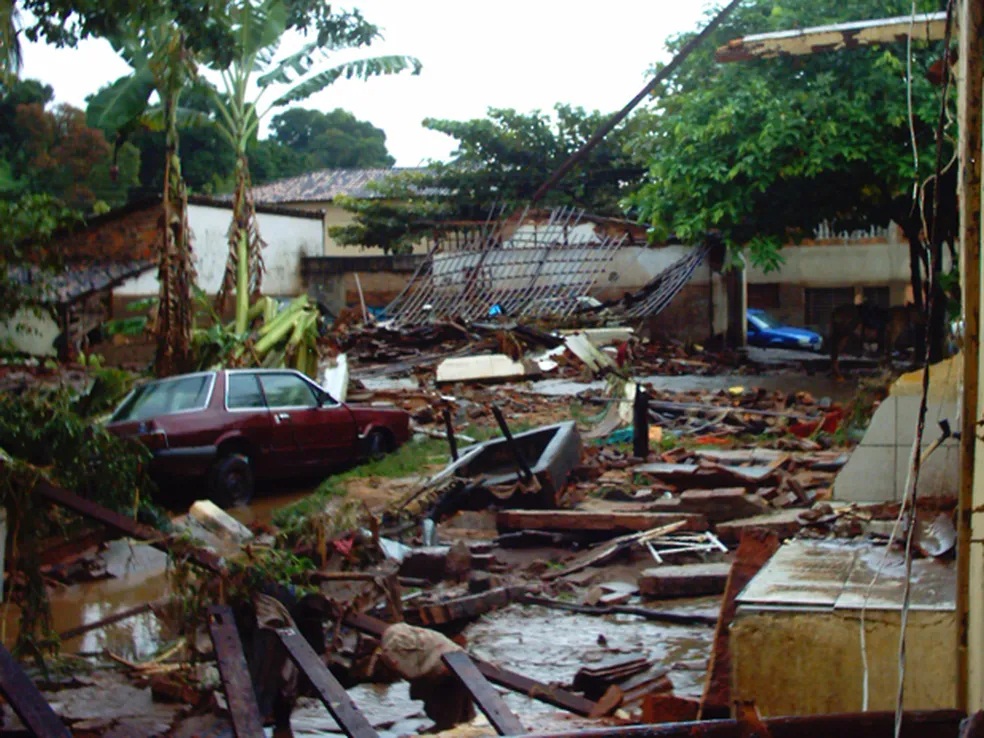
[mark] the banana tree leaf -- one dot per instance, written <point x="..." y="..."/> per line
<point x="361" y="69"/>
<point x="300" y="62"/>
<point x="260" y="26"/>
<point x="113" y="107"/>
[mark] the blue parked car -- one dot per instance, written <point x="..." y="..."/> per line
<point x="767" y="332"/>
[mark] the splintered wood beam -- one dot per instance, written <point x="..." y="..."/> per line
<point x="488" y="700"/>
<point x="27" y="701"/>
<point x="245" y="713"/>
<point x="805" y="41"/>
<point x="333" y="695"/>
<point x="757" y="546"/>
<point x="122" y="524"/>
<point x="536" y="690"/>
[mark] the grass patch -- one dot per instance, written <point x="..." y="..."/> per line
<point x="411" y="458"/>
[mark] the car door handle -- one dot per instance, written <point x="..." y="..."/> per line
<point x="281" y="416"/>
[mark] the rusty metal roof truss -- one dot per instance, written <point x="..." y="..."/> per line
<point x="529" y="272"/>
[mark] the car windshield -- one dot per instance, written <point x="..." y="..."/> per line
<point x="764" y="320"/>
<point x="164" y="397"/>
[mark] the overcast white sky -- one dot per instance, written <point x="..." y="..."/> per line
<point x="521" y="54"/>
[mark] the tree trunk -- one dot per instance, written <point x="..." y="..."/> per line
<point x="244" y="267"/>
<point x="176" y="272"/>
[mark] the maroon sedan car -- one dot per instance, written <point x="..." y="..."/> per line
<point x="234" y="426"/>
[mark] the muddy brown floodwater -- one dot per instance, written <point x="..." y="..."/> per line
<point x="549" y="646"/>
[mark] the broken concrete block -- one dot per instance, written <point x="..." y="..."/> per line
<point x="785" y="523"/>
<point x="429" y="563"/>
<point x="687" y="580"/>
<point x="218" y="522"/>
<point x="722" y="504"/>
<point x="668" y="708"/>
<point x="487" y="367"/>
<point x="458" y="562"/>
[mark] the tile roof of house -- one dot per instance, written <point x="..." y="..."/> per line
<point x="324" y="185"/>
<point x="78" y="280"/>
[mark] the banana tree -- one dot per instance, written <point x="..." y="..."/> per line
<point x="253" y="74"/>
<point x="161" y="64"/>
<point x="10" y="48"/>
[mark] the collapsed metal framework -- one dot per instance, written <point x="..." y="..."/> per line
<point x="527" y="272"/>
<point x="666" y="285"/>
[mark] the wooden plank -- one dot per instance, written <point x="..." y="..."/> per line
<point x="461" y="608"/>
<point x="537" y="690"/>
<point x="245" y="713"/>
<point x="687" y="580"/>
<point x="123" y="524"/>
<point x="27" y="701"/>
<point x="594" y="521"/>
<point x="757" y="546"/>
<point x="487" y="699"/>
<point x="333" y="695"/>
<point x="503" y="677"/>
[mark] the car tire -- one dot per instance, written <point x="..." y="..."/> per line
<point x="230" y="481"/>
<point x="378" y="444"/>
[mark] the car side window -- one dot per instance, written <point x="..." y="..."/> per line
<point x="287" y="390"/>
<point x="244" y="392"/>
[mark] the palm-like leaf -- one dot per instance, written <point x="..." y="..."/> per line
<point x="113" y="107"/>
<point x="360" y="69"/>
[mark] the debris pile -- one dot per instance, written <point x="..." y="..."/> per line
<point x="621" y="504"/>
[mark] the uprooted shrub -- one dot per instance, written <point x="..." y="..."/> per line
<point x="43" y="437"/>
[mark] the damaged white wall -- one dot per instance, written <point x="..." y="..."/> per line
<point x="878" y="467"/>
<point x="288" y="238"/>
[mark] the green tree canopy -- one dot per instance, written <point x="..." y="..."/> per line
<point x="765" y="150"/>
<point x="335" y="140"/>
<point x="500" y="161"/>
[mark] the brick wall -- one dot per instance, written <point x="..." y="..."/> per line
<point x="130" y="235"/>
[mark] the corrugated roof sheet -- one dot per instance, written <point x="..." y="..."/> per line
<point x="324" y="185"/>
<point x="78" y="280"/>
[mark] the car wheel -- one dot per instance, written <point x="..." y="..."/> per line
<point x="378" y="444"/>
<point x="230" y="481"/>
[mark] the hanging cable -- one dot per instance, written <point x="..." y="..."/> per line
<point x="916" y="460"/>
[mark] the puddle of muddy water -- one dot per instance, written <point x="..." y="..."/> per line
<point x="139" y="577"/>
<point x="550" y="646"/>
<point x="547" y="645"/>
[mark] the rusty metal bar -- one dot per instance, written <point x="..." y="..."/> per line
<point x="352" y="722"/>
<point x="525" y="473"/>
<point x="608" y="125"/>
<point x="915" y="724"/>
<point x="245" y="713"/>
<point x="487" y="699"/>
<point x="27" y="701"/>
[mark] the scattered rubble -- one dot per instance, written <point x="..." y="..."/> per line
<point x="621" y="504"/>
